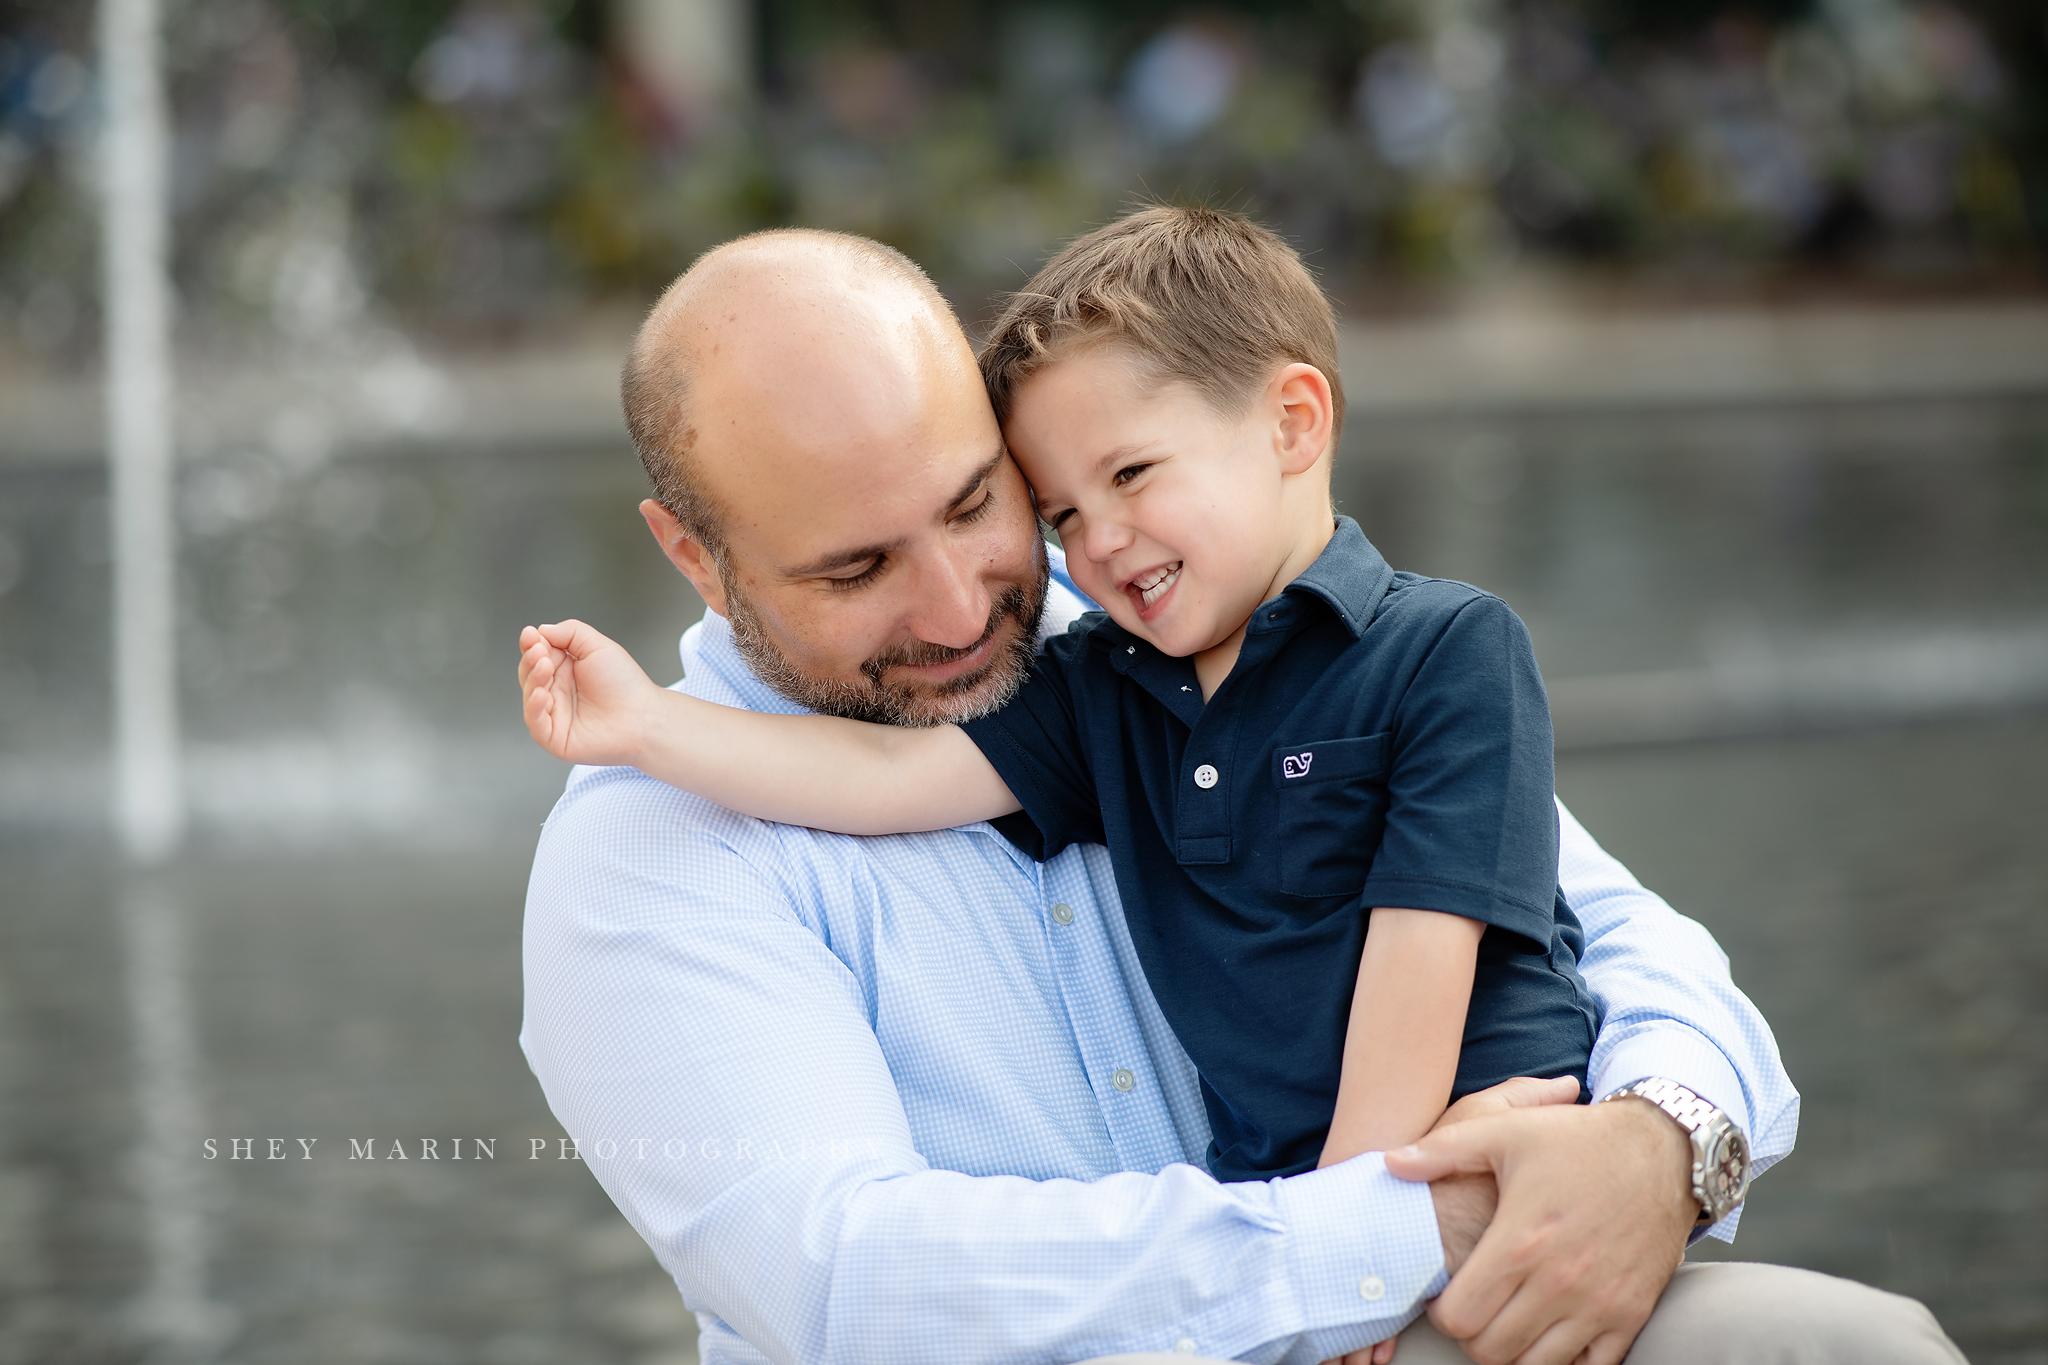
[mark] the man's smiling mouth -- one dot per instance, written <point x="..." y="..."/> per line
<point x="1151" y="585"/>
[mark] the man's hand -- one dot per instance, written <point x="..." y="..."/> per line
<point x="1594" y="1209"/>
<point x="1465" y="1202"/>
<point x="585" y="699"/>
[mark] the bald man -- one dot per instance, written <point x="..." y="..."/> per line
<point x="909" y="1099"/>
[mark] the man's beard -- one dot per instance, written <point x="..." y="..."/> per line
<point x="962" y="698"/>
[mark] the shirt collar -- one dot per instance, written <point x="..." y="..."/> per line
<point x="1349" y="575"/>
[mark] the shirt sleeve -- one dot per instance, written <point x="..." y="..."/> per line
<point x="717" y="1067"/>
<point x="1035" y="746"/>
<point x="1469" y="828"/>
<point x="1670" y="1006"/>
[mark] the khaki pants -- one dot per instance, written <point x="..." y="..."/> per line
<point x="1735" y="1313"/>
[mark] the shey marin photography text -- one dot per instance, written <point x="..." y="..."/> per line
<point x="737" y="1149"/>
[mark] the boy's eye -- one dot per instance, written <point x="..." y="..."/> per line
<point x="1053" y="519"/>
<point x="1127" y="473"/>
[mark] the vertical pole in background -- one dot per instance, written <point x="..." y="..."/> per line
<point x="174" y="1314"/>
<point x="149" y="807"/>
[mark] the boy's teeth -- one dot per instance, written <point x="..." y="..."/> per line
<point x="1161" y="580"/>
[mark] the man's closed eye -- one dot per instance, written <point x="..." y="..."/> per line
<point x="861" y="579"/>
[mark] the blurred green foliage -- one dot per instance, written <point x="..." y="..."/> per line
<point x="486" y="167"/>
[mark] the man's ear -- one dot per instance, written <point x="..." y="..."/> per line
<point x="1307" y="416"/>
<point x="687" y="553"/>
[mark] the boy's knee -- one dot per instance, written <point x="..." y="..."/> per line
<point x="1776" y="1315"/>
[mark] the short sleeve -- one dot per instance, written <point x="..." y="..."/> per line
<point x="1035" y="745"/>
<point x="1471" y="821"/>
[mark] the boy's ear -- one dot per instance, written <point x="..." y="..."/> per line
<point x="687" y="553"/>
<point x="1307" y="416"/>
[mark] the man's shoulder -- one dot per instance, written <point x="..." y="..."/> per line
<point x="618" y="838"/>
<point x="627" y="804"/>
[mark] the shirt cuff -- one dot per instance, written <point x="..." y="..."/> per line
<point x="1678" y="1054"/>
<point x="1364" y="1254"/>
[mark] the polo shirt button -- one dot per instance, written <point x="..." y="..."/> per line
<point x="1122" y="1079"/>
<point x="1184" y="1347"/>
<point x="1372" y="1287"/>
<point x="1130" y="649"/>
<point x="1063" y="913"/>
<point x="1205" y="777"/>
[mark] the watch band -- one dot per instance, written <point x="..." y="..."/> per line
<point x="1720" y="1153"/>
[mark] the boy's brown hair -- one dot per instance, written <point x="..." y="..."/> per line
<point x="1198" y="295"/>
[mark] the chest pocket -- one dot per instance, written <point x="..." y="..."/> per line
<point x="1332" y="807"/>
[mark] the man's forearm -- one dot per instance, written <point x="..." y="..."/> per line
<point x="1671" y="1007"/>
<point x="996" y="1269"/>
<point x="852" y="1250"/>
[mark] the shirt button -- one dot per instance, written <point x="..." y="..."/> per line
<point x="1184" y="1347"/>
<point x="1122" y="1079"/>
<point x="1130" y="649"/>
<point x="1205" y="777"/>
<point x="1372" y="1287"/>
<point x="1063" y="913"/>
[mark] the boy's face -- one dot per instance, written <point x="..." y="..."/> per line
<point x="1179" y="522"/>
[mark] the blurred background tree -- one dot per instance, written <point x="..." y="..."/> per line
<point x="481" y="169"/>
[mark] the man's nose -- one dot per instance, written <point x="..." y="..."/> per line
<point x="953" y="601"/>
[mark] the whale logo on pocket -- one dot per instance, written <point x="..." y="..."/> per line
<point x="1296" y="765"/>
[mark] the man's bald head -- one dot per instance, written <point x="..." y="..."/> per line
<point x="735" y="307"/>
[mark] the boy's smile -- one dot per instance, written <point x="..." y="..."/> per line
<point x="1152" y="585"/>
<point x="1179" y="521"/>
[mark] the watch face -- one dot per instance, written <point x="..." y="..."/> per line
<point x="1727" y="1173"/>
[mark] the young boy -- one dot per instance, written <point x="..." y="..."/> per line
<point x="1325" y="786"/>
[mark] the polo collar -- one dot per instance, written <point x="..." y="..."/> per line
<point x="1349" y="575"/>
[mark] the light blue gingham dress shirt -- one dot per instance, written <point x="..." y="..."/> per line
<point x="909" y="1098"/>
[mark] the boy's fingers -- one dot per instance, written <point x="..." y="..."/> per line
<point x="536" y="648"/>
<point x="1523" y="1092"/>
<point x="564" y="634"/>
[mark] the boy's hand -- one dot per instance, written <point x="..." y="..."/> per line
<point x="1379" y="1353"/>
<point x="585" y="699"/>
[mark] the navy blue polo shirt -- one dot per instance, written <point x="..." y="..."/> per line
<point x="1383" y="740"/>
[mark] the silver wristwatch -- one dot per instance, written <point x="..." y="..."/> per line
<point x="1720" y="1153"/>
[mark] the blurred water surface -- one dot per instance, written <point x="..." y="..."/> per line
<point x="367" y="802"/>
